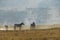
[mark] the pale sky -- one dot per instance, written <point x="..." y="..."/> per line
<point x="27" y="11"/>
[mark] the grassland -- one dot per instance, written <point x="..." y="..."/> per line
<point x="40" y="34"/>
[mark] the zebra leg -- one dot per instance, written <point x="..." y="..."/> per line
<point x="14" y="27"/>
<point x="6" y="28"/>
<point x="19" y="28"/>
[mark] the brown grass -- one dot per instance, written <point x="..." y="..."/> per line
<point x="42" y="34"/>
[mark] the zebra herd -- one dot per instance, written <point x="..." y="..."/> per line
<point x="32" y="26"/>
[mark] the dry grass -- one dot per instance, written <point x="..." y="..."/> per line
<point x="42" y="34"/>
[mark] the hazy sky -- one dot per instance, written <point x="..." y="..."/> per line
<point x="27" y="11"/>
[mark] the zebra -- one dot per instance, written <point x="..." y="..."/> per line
<point x="18" y="25"/>
<point x="6" y="26"/>
<point x="32" y="26"/>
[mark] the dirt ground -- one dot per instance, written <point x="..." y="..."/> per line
<point x="41" y="34"/>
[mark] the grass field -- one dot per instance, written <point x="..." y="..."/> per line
<point x="41" y="34"/>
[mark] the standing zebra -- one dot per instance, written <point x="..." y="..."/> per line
<point x="32" y="26"/>
<point x="6" y="26"/>
<point x="18" y="25"/>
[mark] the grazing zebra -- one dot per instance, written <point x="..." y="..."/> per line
<point x="18" y="25"/>
<point x="6" y="26"/>
<point x="32" y="25"/>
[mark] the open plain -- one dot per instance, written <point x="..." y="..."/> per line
<point x="36" y="34"/>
